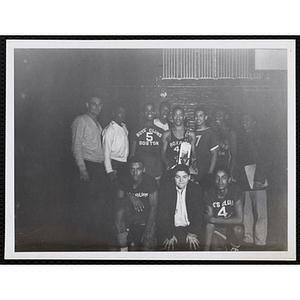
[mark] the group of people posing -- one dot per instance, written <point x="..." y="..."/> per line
<point x="173" y="188"/>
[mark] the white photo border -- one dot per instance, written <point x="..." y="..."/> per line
<point x="9" y="246"/>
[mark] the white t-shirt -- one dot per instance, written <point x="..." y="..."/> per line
<point x="159" y="124"/>
<point x="181" y="217"/>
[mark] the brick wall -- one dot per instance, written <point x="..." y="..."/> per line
<point x="189" y="97"/>
<point x="259" y="96"/>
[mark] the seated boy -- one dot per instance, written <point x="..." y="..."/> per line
<point x="136" y="205"/>
<point x="180" y="212"/>
<point x="224" y="215"/>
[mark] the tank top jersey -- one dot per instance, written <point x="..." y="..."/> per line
<point x="148" y="147"/>
<point x="174" y="148"/>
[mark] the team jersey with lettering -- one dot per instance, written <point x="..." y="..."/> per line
<point x="147" y="186"/>
<point x="223" y="207"/>
<point x="174" y="148"/>
<point x="206" y="141"/>
<point x="223" y="151"/>
<point x="148" y="146"/>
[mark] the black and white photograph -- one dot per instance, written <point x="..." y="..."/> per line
<point x="151" y="149"/>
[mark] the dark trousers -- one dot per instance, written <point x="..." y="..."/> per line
<point x="93" y="196"/>
<point x="122" y="170"/>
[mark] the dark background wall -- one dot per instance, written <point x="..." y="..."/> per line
<point x="51" y="87"/>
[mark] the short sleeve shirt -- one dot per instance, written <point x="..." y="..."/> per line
<point x="206" y="141"/>
<point x="223" y="150"/>
<point x="223" y="207"/>
<point x="148" y="141"/>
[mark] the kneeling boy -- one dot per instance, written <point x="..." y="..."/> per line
<point x="224" y="215"/>
<point x="136" y="205"/>
<point x="180" y="212"/>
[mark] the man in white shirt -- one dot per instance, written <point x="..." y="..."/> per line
<point x="116" y="144"/>
<point x="88" y="153"/>
<point x="180" y="212"/>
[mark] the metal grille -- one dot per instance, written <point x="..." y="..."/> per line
<point x="206" y="64"/>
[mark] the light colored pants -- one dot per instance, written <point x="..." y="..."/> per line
<point x="256" y="217"/>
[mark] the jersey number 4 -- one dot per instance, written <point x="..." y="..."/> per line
<point x="222" y="212"/>
<point x="176" y="149"/>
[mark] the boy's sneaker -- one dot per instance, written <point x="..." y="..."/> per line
<point x="130" y="239"/>
<point x="235" y="247"/>
<point x="124" y="249"/>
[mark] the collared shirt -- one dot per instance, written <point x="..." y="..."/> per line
<point x="181" y="217"/>
<point x="115" y="144"/>
<point x="161" y="125"/>
<point x="86" y="140"/>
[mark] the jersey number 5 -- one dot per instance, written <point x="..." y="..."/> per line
<point x="149" y="136"/>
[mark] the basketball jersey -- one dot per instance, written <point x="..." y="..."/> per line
<point x="148" y="146"/>
<point x="174" y="148"/>
<point x="223" y="207"/>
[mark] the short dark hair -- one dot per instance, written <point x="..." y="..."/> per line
<point x="164" y="103"/>
<point x="177" y="107"/>
<point x="221" y="168"/>
<point x="94" y="97"/>
<point x="135" y="159"/>
<point x="180" y="167"/>
<point x="148" y="103"/>
<point x="201" y="108"/>
<point x="116" y="106"/>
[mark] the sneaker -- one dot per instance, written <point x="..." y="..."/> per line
<point x="235" y="247"/>
<point x="124" y="249"/>
<point x="130" y="239"/>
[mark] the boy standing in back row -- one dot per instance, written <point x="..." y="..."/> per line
<point x="116" y="144"/>
<point x="206" y="147"/>
<point x="174" y="137"/>
<point x="146" y="143"/>
<point x="227" y="138"/>
<point x="163" y="120"/>
<point x="252" y="155"/>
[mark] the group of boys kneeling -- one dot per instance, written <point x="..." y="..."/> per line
<point x="179" y="215"/>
